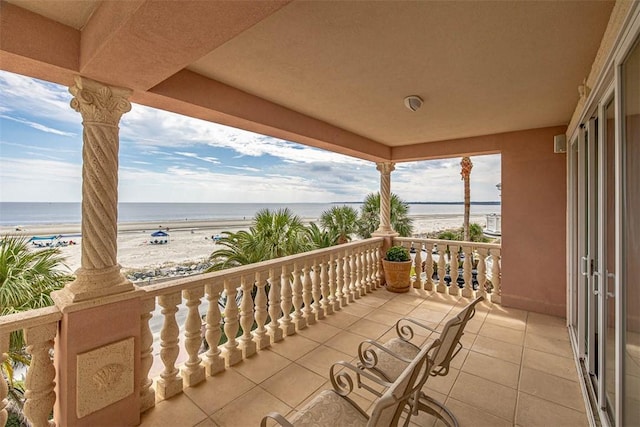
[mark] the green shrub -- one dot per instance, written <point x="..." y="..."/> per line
<point x="397" y="254"/>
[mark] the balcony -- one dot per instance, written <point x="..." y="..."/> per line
<point x="517" y="367"/>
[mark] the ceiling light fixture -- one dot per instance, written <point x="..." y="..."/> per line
<point x="413" y="102"/>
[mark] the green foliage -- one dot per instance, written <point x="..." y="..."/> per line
<point x="475" y="234"/>
<point x="397" y="254"/>
<point x="321" y="238"/>
<point x="369" y="220"/>
<point x="340" y="220"/>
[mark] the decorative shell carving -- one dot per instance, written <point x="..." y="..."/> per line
<point x="108" y="376"/>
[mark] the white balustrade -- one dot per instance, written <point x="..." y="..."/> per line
<point x="467" y="291"/>
<point x="247" y="344"/>
<point x="232" y="352"/>
<point x="307" y="294"/>
<point x="316" y="287"/>
<point x="428" y="283"/>
<point x="147" y="393"/>
<point x="169" y="383"/>
<point x="4" y="388"/>
<point x="213" y="360"/>
<point x="299" y="320"/>
<point x="325" y="303"/>
<point x="260" y="337"/>
<point x="193" y="371"/>
<point x="418" y="265"/>
<point x="275" y="309"/>
<point x="286" y="324"/>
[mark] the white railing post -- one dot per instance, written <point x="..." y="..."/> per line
<point x="467" y="266"/>
<point x="4" y="388"/>
<point x="341" y="298"/>
<point x="442" y="285"/>
<point x="247" y="344"/>
<point x="496" y="295"/>
<point x="334" y="299"/>
<point x="307" y="294"/>
<point x="275" y="310"/>
<point x="428" y="284"/>
<point x="193" y="372"/>
<point x="299" y="320"/>
<point x="213" y="360"/>
<point x="169" y="383"/>
<point x="349" y="288"/>
<point x="482" y="272"/>
<point x="232" y="353"/>
<point x="353" y="269"/>
<point x="316" y="289"/>
<point x="453" y="270"/>
<point x="418" y="265"/>
<point x="260" y="336"/>
<point x="39" y="383"/>
<point x="325" y="302"/>
<point x="286" y="325"/>
<point x="147" y="393"/>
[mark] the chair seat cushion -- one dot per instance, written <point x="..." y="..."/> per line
<point x="389" y="365"/>
<point x="329" y="409"/>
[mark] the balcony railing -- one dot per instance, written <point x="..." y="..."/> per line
<point x="244" y="310"/>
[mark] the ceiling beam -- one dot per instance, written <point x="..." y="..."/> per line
<point x="138" y="44"/>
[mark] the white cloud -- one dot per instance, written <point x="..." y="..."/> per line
<point x="37" y="126"/>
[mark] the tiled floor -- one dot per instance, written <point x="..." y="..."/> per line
<point x="516" y="368"/>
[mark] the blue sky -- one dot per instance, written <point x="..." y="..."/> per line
<point x="166" y="157"/>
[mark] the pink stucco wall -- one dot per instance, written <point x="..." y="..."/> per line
<point x="533" y="212"/>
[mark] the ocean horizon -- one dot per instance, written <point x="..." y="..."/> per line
<point x="46" y="213"/>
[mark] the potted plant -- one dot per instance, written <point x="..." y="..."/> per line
<point x="397" y="269"/>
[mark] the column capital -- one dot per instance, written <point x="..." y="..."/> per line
<point x="99" y="103"/>
<point x="386" y="167"/>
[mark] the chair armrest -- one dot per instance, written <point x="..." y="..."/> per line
<point x="277" y="417"/>
<point x="406" y="333"/>
<point x="369" y="358"/>
<point x="343" y="383"/>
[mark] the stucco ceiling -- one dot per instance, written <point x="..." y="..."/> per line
<point x="482" y="67"/>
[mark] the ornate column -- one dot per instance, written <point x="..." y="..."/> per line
<point x="385" y="169"/>
<point x="101" y="108"/>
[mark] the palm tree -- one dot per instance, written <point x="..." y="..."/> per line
<point x="369" y="220"/>
<point x="321" y="238"/>
<point x="465" y="171"/>
<point x="273" y="235"/>
<point x="26" y="280"/>
<point x="340" y="220"/>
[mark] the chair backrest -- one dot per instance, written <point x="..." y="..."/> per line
<point x="450" y="338"/>
<point x="388" y="408"/>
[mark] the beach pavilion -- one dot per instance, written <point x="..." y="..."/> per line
<point x="551" y="86"/>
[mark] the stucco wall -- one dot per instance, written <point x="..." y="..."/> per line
<point x="533" y="212"/>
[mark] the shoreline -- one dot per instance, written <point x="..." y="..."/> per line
<point x="190" y="242"/>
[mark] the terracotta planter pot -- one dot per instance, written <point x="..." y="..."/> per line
<point x="397" y="275"/>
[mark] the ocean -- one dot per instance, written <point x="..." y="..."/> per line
<point x="19" y="213"/>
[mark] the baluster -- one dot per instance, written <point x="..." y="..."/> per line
<point x="371" y="281"/>
<point x="418" y="266"/>
<point x="366" y="280"/>
<point x="496" y="295"/>
<point x="442" y="285"/>
<point x="232" y="352"/>
<point x="341" y="298"/>
<point x="147" y="393"/>
<point x="348" y="285"/>
<point x="316" y="290"/>
<point x="274" y="306"/>
<point x="4" y="388"/>
<point x="169" y="383"/>
<point x="325" y="304"/>
<point x="40" y="393"/>
<point x="362" y="266"/>
<point x="428" y="283"/>
<point x="213" y="360"/>
<point x="377" y="265"/>
<point x="298" y="316"/>
<point x="334" y="304"/>
<point x="453" y="270"/>
<point x="467" y="266"/>
<point x="482" y="272"/>
<point x="193" y="372"/>
<point x="286" y="325"/>
<point x="307" y="294"/>
<point x="260" y="336"/>
<point x="247" y="344"/>
<point x="353" y="287"/>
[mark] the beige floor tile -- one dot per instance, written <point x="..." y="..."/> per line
<point x="409" y="298"/>
<point x="468" y="339"/>
<point x="357" y="309"/>
<point x="294" y="346"/>
<point x="492" y="369"/>
<point x="443" y="384"/>
<point x="550" y="363"/>
<point x="501" y="333"/>
<point x="398" y="307"/>
<point x="177" y="411"/>
<point x="426" y="314"/>
<point x="261" y="366"/>
<point x="207" y="423"/>
<point x="345" y="342"/>
<point x="248" y="409"/>
<point x="440" y="306"/>
<point x="372" y="301"/>
<point x="536" y="412"/>
<point x="459" y="359"/>
<point x="548" y="345"/>
<point x="385" y="317"/>
<point x="340" y="320"/>
<point x="502" y="350"/>
<point x="293" y="384"/>
<point x="321" y="359"/>
<point x="549" y="331"/>
<point x="549" y="387"/>
<point x="319" y="332"/>
<point x="368" y="329"/>
<point x="473" y="325"/>
<point x="219" y="390"/>
<point x="513" y="320"/>
<point x="470" y="416"/>
<point x="492" y="397"/>
<point x="546" y="320"/>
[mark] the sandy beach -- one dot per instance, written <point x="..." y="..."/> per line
<point x="189" y="241"/>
